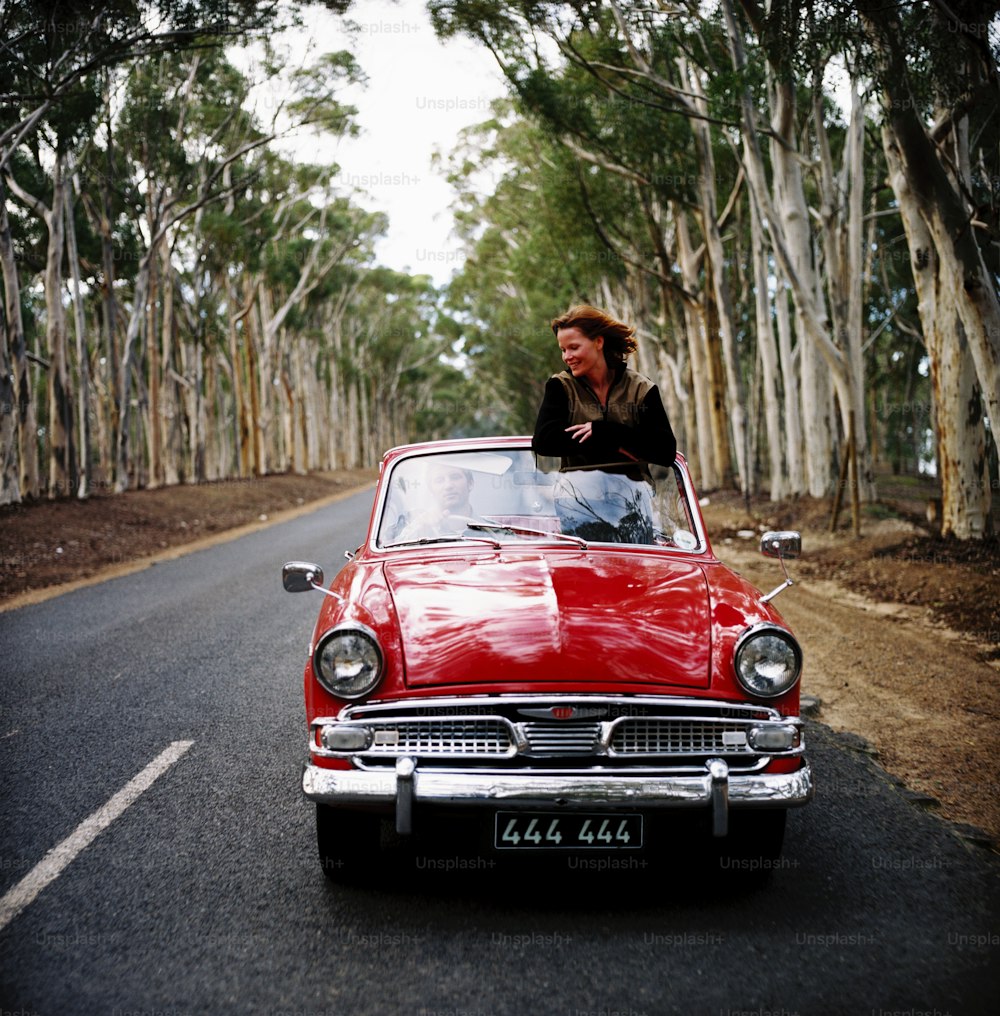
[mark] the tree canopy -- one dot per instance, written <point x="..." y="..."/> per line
<point x="797" y="207"/>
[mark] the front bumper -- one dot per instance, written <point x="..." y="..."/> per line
<point x="408" y="785"/>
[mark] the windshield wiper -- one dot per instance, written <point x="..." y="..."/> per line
<point x="446" y="539"/>
<point x="497" y="527"/>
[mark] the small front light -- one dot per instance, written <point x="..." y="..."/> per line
<point x="768" y="661"/>
<point x="340" y="738"/>
<point x="348" y="661"/>
<point x="782" y="738"/>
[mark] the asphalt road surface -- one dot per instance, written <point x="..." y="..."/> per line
<point x="166" y="708"/>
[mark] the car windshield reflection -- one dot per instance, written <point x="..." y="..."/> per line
<point x="501" y="496"/>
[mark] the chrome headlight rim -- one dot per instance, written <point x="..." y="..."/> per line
<point x="755" y="632"/>
<point x="355" y="628"/>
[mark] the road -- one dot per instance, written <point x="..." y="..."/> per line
<point x="198" y="891"/>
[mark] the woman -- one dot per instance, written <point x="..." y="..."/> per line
<point x="600" y="416"/>
<point x="598" y="410"/>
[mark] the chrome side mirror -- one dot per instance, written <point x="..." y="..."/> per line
<point x="780" y="544"/>
<point x="301" y="576"/>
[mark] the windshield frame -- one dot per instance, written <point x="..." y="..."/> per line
<point x="493" y="540"/>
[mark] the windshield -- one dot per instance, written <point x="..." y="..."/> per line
<point x="500" y="496"/>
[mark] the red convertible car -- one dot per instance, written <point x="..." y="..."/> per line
<point x="554" y="655"/>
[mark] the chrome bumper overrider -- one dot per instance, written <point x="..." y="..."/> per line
<point x="408" y="785"/>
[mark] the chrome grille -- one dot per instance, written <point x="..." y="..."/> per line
<point x="477" y="736"/>
<point x="634" y="734"/>
<point x="642" y="736"/>
<point x="561" y="738"/>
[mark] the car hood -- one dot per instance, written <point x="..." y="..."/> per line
<point x="596" y="618"/>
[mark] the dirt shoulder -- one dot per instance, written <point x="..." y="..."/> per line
<point x="51" y="544"/>
<point x="901" y="636"/>
<point x="901" y="630"/>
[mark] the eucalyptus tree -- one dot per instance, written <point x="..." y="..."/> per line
<point x="183" y="128"/>
<point x="310" y="273"/>
<point x="901" y="410"/>
<point x="50" y="55"/>
<point x="531" y="252"/>
<point x="620" y="99"/>
<point x="391" y="353"/>
<point x="697" y="91"/>
<point x="936" y="67"/>
<point x="51" y="49"/>
<point x="58" y="140"/>
<point x="18" y="429"/>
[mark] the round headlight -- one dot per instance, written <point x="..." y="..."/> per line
<point x="348" y="661"/>
<point x="768" y="661"/>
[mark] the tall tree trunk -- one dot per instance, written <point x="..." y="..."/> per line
<point x="707" y="465"/>
<point x="365" y="427"/>
<point x="716" y="386"/>
<point x="794" y="440"/>
<point x="735" y="393"/>
<point x="62" y="456"/>
<point x="197" y="410"/>
<point x="133" y="333"/>
<point x="253" y="374"/>
<point x="241" y="420"/>
<point x="841" y="213"/>
<point x="963" y="464"/>
<point x="768" y="350"/>
<point x="171" y="436"/>
<point x="10" y="484"/>
<point x="352" y="426"/>
<point x="291" y="443"/>
<point x="105" y="220"/>
<point x="823" y="364"/>
<point x="154" y="379"/>
<point x="790" y="205"/>
<point x="304" y="385"/>
<point x="932" y="178"/>
<point x="338" y="397"/>
<point x="82" y="352"/>
<point x="19" y="429"/>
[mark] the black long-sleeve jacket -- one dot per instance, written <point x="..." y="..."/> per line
<point x="632" y="425"/>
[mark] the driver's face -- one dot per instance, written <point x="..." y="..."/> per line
<point x="450" y="486"/>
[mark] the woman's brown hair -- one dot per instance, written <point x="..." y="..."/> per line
<point x="619" y="338"/>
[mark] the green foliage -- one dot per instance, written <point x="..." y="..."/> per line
<point x="532" y="253"/>
<point x="54" y="52"/>
<point x="317" y="84"/>
<point x="561" y="226"/>
<point x="176" y="176"/>
<point x="591" y="160"/>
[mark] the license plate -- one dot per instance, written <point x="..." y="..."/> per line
<point x="566" y="831"/>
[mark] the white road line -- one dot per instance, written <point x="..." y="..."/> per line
<point x="51" y="866"/>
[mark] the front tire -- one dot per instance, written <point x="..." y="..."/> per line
<point x="348" y="842"/>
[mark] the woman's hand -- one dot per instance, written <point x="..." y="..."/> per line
<point x="580" y="431"/>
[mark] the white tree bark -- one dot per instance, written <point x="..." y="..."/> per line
<point x="770" y="366"/>
<point x="708" y="471"/>
<point x="18" y="430"/>
<point x="62" y="455"/>
<point x="934" y="170"/>
<point x="720" y="286"/>
<point x="961" y="437"/>
<point x="791" y="218"/>
<point x="794" y="440"/>
<point x="823" y="364"/>
<point x="82" y="352"/>
<point x="841" y="215"/>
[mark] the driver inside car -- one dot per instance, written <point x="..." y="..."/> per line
<point x="449" y="510"/>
